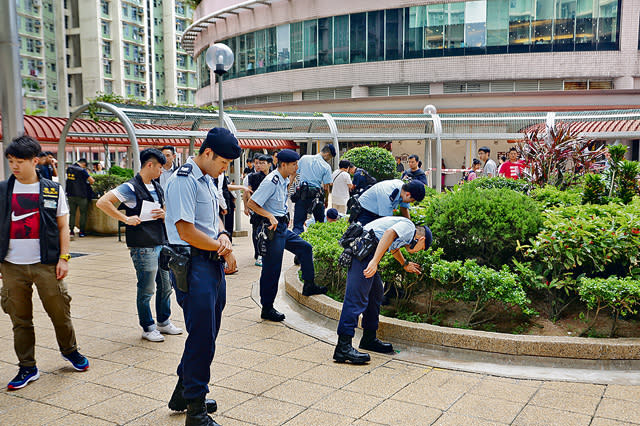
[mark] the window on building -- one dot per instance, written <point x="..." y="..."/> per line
<point x="107" y="67"/>
<point x="341" y="39"/>
<point x="358" y="44"/>
<point x="104" y="4"/>
<point x="106" y="48"/>
<point x="261" y="53"/>
<point x="29" y="25"/>
<point x="125" y="10"/>
<point x="106" y="29"/>
<point x="108" y="86"/>
<point x="311" y="43"/>
<point x="182" y="95"/>
<point x="284" y="51"/>
<point x="375" y="36"/>
<point x="180" y="7"/>
<point x="31" y="45"/>
<point x="325" y="41"/>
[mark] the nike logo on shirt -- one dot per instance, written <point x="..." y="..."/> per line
<point x="15" y="218"/>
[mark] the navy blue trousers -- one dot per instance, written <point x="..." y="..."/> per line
<point x="272" y="262"/>
<point x="367" y="216"/>
<point x="202" y="307"/>
<point x="300" y="215"/>
<point x="363" y="296"/>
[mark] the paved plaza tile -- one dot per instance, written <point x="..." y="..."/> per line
<point x="263" y="373"/>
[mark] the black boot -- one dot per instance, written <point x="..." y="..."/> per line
<point x="370" y="342"/>
<point x="271" y="314"/>
<point x="178" y="403"/>
<point x="309" y="289"/>
<point x="345" y="352"/>
<point x="197" y="414"/>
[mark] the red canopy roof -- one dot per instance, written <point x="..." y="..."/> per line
<point x="591" y="126"/>
<point x="49" y="129"/>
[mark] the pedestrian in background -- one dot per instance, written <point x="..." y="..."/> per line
<point x="79" y="191"/>
<point x="341" y="186"/>
<point x="490" y="169"/>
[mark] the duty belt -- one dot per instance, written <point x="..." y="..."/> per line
<point x="210" y="255"/>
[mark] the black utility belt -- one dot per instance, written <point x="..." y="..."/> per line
<point x="281" y="219"/>
<point x="207" y="254"/>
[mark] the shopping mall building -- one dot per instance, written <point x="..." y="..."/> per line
<point x="397" y="56"/>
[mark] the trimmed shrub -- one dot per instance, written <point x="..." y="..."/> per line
<point x="481" y="224"/>
<point x="121" y="171"/>
<point x="498" y="182"/>
<point x="105" y="183"/>
<point x="621" y="295"/>
<point x="378" y="162"/>
<point x="550" y="196"/>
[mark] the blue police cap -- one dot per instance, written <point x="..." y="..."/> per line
<point x="428" y="237"/>
<point x="332" y="149"/>
<point x="288" y="156"/>
<point x="332" y="213"/>
<point x="222" y="142"/>
<point x="416" y="189"/>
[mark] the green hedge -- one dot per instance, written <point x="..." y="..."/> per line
<point x="378" y="162"/>
<point x="481" y="224"/>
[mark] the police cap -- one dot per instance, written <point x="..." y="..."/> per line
<point x="332" y="150"/>
<point x="332" y="213"/>
<point x="288" y="156"/>
<point x="222" y="142"/>
<point x="416" y="189"/>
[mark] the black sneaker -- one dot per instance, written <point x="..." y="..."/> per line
<point x="272" y="315"/>
<point x="82" y="234"/>
<point x="25" y="375"/>
<point x="79" y="362"/>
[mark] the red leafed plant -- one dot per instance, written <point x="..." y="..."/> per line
<point x="558" y="158"/>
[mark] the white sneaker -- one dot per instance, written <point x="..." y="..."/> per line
<point x="259" y="261"/>
<point x="169" y="329"/>
<point x="153" y="336"/>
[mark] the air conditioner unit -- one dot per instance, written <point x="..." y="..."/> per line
<point x="105" y="61"/>
<point x="37" y="3"/>
<point x="141" y="31"/>
<point x="141" y="59"/>
<point x="105" y="56"/>
<point x="140" y="12"/>
<point x="143" y="89"/>
<point x="40" y="64"/>
<point x="42" y="103"/>
<point x="38" y="43"/>
<point x="36" y="25"/>
<point x="142" y="70"/>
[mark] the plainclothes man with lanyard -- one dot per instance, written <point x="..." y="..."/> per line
<point x="145" y="240"/>
<point x="315" y="176"/>
<point x="194" y="228"/>
<point x="364" y="286"/>
<point x="270" y="202"/>
<point x="384" y="197"/>
<point x="261" y="164"/>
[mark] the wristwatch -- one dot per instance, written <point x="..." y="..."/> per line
<point x="224" y="232"/>
<point x="406" y="262"/>
<point x="66" y="257"/>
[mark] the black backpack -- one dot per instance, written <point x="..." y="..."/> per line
<point x="369" y="179"/>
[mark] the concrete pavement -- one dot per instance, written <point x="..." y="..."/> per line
<point x="263" y="373"/>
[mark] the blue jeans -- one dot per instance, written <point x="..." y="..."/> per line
<point x="145" y="261"/>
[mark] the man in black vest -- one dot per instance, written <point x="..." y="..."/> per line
<point x="261" y="163"/>
<point x="34" y="248"/>
<point x="79" y="193"/>
<point x="142" y="200"/>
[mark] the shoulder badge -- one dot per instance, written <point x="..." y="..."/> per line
<point x="185" y="169"/>
<point x="275" y="179"/>
<point x="394" y="194"/>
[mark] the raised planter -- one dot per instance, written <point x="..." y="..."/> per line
<point x="499" y="343"/>
<point x="98" y="222"/>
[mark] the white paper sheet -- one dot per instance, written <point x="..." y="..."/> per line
<point x="145" y="212"/>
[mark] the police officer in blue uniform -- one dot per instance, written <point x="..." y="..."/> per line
<point x="313" y="196"/>
<point x="384" y="197"/>
<point x="192" y="225"/>
<point x="270" y="202"/>
<point x="364" y="286"/>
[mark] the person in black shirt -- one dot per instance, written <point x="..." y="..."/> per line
<point x="261" y="164"/>
<point x="414" y="172"/>
<point x="79" y="193"/>
<point x="249" y="169"/>
<point x="43" y="167"/>
<point x="399" y="165"/>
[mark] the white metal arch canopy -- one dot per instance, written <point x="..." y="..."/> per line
<point x="192" y="123"/>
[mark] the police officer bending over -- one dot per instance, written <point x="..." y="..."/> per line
<point x="197" y="236"/>
<point x="364" y="286"/>
<point x="313" y="193"/>
<point x="270" y="202"/>
<point x="384" y="197"/>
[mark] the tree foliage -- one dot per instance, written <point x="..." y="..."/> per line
<point x="378" y="162"/>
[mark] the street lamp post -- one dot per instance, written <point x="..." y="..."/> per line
<point x="220" y="60"/>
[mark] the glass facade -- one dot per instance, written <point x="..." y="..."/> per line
<point x="476" y="27"/>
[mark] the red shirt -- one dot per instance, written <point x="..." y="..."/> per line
<point x="512" y="170"/>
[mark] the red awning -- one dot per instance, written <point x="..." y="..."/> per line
<point x="591" y="126"/>
<point x="49" y="129"/>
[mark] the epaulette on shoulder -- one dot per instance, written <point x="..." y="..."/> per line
<point x="394" y="194"/>
<point x="275" y="179"/>
<point x="185" y="169"/>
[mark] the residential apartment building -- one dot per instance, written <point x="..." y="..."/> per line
<point x="73" y="50"/>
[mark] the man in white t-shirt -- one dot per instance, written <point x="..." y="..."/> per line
<point x="34" y="249"/>
<point x="341" y="186"/>
<point x="142" y="200"/>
